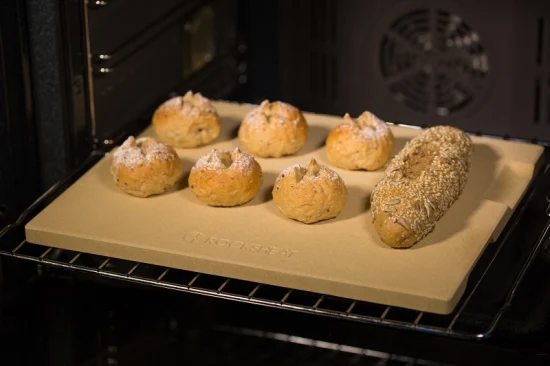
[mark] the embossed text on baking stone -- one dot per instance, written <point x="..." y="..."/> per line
<point x="196" y="237"/>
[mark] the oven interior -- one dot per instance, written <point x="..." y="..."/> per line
<point x="99" y="68"/>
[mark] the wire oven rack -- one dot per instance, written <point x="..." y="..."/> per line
<point x="13" y="244"/>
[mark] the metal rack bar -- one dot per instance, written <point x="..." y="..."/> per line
<point x="385" y="313"/>
<point x="74" y="258"/>
<point x="286" y="296"/>
<point x="159" y="278"/>
<point x="418" y="318"/>
<point x="319" y="301"/>
<point x="350" y="308"/>
<point x="103" y="264"/>
<point x="133" y="269"/>
<point x="254" y="290"/>
<point x="193" y="280"/>
<point x="46" y="252"/>
<point x="223" y="284"/>
<point x="18" y="247"/>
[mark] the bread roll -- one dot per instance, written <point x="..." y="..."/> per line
<point x="226" y="178"/>
<point x="145" y="167"/>
<point x="187" y="122"/>
<point x="309" y="194"/>
<point x="420" y="185"/>
<point x="273" y="130"/>
<point x="365" y="142"/>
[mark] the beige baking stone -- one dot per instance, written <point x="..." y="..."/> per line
<point x="342" y="257"/>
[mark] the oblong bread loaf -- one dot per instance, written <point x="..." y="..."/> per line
<point x="420" y="185"/>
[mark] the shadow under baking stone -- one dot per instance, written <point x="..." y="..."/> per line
<point x="482" y="173"/>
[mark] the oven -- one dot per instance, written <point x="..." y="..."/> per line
<point x="80" y="76"/>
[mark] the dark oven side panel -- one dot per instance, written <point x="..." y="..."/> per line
<point x="142" y="51"/>
<point x="58" y="69"/>
<point x="482" y="66"/>
<point x="18" y="157"/>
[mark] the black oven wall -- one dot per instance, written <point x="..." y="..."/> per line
<point x="58" y="68"/>
<point x="19" y="186"/>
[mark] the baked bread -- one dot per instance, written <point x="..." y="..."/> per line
<point x="187" y="122"/>
<point x="273" y="130"/>
<point x="309" y="194"/>
<point x="420" y="185"/>
<point x="145" y="167"/>
<point x="362" y="143"/>
<point x="226" y="178"/>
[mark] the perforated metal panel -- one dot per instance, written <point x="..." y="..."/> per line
<point x="481" y="66"/>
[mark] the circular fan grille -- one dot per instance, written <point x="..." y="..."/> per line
<point x="433" y="62"/>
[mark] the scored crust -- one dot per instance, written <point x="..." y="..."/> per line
<point x="273" y="130"/>
<point x="420" y="185"/>
<point x="309" y="194"/>
<point x="187" y="122"/>
<point x="145" y="167"/>
<point x="362" y="143"/>
<point x="226" y="178"/>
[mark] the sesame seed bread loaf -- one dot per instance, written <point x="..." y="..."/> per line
<point x="420" y="185"/>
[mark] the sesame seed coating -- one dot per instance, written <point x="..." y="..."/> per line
<point x="420" y="185"/>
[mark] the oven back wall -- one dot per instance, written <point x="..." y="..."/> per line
<point x="481" y="66"/>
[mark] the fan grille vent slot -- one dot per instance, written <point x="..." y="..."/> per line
<point x="433" y="62"/>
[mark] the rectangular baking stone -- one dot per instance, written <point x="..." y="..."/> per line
<point x="341" y="257"/>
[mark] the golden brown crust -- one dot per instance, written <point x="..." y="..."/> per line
<point x="187" y="122"/>
<point x="145" y="167"/>
<point x="273" y="130"/>
<point x="420" y="185"/>
<point x="362" y="143"/>
<point x="309" y="194"/>
<point x="226" y="178"/>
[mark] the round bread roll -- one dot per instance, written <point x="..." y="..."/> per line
<point x="420" y="185"/>
<point x="226" y="178"/>
<point x="273" y="130"/>
<point x="187" y="122"/>
<point x="144" y="167"/>
<point x="310" y="194"/>
<point x="362" y="143"/>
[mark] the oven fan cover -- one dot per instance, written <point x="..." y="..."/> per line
<point x="433" y="62"/>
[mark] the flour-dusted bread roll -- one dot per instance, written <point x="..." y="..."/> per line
<point x="187" y="122"/>
<point x="309" y="194"/>
<point x="226" y="178"/>
<point x="420" y="185"/>
<point x="272" y="130"/>
<point x="145" y="167"/>
<point x="365" y="142"/>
